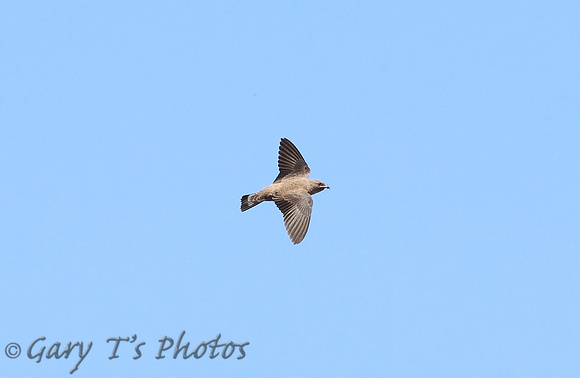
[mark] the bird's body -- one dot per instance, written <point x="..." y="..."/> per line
<point x="291" y="191"/>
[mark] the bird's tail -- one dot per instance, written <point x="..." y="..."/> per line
<point x="248" y="201"/>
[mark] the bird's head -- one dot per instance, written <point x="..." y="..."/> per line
<point x="317" y="186"/>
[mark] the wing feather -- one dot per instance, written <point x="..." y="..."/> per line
<point x="290" y="161"/>
<point x="297" y="208"/>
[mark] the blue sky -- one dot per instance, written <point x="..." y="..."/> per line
<point x="449" y="132"/>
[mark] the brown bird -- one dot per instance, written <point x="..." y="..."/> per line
<point x="291" y="191"/>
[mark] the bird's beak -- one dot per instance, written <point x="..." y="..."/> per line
<point x="326" y="187"/>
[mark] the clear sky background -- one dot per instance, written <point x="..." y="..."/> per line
<point x="449" y="132"/>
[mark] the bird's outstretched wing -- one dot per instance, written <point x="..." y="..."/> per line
<point x="290" y="161"/>
<point x="297" y="208"/>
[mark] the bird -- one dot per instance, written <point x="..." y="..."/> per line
<point x="291" y="191"/>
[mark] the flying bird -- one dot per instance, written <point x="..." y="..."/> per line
<point x="291" y="191"/>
